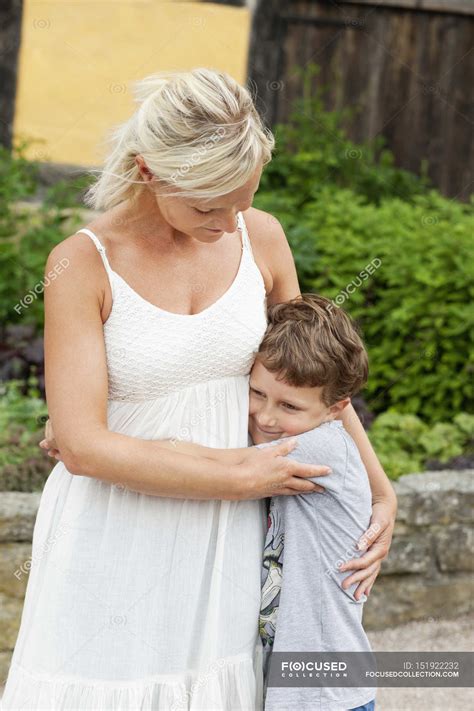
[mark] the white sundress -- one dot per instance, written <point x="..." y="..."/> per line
<point x="146" y="602"/>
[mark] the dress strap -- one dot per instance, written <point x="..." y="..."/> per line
<point x="100" y="247"/>
<point x="102" y="251"/>
<point x="246" y="239"/>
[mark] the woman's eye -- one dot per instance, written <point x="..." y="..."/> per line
<point x="203" y="212"/>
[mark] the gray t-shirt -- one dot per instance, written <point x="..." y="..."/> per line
<point x="304" y="608"/>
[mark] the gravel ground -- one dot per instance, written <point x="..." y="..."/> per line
<point x="430" y="636"/>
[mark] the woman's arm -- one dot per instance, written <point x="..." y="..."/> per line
<point x="229" y="456"/>
<point x="224" y="456"/>
<point x="77" y="389"/>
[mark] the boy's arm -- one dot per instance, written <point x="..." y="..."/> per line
<point x="225" y="456"/>
<point x="384" y="510"/>
<point x="382" y="490"/>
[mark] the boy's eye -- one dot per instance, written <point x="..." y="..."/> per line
<point x="255" y="392"/>
<point x="289" y="406"/>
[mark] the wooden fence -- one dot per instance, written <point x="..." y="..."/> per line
<point x="406" y="64"/>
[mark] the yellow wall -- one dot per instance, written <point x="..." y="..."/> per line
<point x="77" y="57"/>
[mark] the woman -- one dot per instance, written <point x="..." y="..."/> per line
<point x="144" y="587"/>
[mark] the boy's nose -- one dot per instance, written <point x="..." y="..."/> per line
<point x="266" y="420"/>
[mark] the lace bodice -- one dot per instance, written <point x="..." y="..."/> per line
<point x="152" y="353"/>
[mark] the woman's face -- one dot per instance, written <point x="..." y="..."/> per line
<point x="206" y="220"/>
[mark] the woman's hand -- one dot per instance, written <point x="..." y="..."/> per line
<point x="266" y="472"/>
<point x="49" y="443"/>
<point x="376" y="540"/>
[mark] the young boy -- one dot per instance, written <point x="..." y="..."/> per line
<point x="309" y="364"/>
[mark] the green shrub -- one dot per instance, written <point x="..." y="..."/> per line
<point x="414" y="309"/>
<point x="344" y="205"/>
<point x="28" y="232"/>
<point x="312" y="150"/>
<point x="23" y="465"/>
<point x="406" y="444"/>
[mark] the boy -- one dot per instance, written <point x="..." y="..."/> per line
<point x="309" y="364"/>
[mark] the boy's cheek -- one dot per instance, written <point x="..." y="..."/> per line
<point x="295" y="426"/>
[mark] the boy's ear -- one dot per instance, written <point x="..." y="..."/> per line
<point x="338" y="407"/>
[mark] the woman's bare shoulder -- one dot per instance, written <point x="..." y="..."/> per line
<point x="272" y="251"/>
<point x="262" y="226"/>
<point x="78" y="257"/>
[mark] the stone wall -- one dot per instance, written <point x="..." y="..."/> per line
<point x="429" y="573"/>
<point x="17" y="517"/>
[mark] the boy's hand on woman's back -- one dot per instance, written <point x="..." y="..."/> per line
<point x="376" y="541"/>
<point x="49" y="443"/>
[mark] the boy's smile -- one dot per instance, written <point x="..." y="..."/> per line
<point x="277" y="409"/>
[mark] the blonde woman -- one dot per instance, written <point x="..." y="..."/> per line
<point x="144" y="588"/>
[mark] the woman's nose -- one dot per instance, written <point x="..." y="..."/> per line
<point x="228" y="223"/>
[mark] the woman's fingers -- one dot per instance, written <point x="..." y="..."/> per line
<point x="302" y="486"/>
<point x="297" y="468"/>
<point x="298" y="472"/>
<point x="280" y="450"/>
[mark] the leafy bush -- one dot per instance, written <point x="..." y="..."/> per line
<point x="312" y="150"/>
<point x="345" y="208"/>
<point x="23" y="465"/>
<point x="406" y="444"/>
<point x="414" y="307"/>
<point x="28" y="232"/>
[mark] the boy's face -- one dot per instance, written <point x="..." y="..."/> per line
<point x="280" y="410"/>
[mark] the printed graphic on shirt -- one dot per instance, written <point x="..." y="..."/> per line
<point x="272" y="570"/>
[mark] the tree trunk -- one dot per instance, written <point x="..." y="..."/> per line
<point x="10" y="37"/>
<point x="264" y="67"/>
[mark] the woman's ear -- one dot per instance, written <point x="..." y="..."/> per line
<point x="145" y="172"/>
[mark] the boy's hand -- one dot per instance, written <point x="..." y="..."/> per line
<point x="49" y="443"/>
<point x="376" y="541"/>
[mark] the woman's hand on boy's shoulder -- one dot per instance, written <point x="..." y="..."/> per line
<point x="267" y="471"/>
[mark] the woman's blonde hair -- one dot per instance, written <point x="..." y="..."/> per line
<point x="198" y="131"/>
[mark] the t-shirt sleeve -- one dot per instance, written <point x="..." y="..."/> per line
<point x="324" y="445"/>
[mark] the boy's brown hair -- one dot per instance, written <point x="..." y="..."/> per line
<point x="311" y="342"/>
